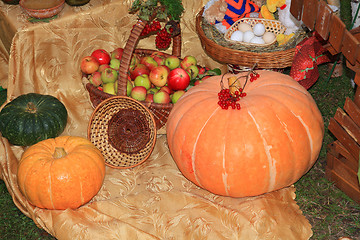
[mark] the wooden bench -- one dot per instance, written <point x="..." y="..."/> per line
<point x="342" y="161"/>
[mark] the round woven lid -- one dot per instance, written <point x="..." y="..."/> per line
<point x="124" y="130"/>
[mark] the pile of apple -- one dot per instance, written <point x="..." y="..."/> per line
<point x="157" y="78"/>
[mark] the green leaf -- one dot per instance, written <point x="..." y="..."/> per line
<point x="215" y="71"/>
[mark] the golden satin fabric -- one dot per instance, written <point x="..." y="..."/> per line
<point x="153" y="200"/>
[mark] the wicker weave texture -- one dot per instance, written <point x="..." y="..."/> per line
<point x="160" y="111"/>
<point x="273" y="26"/>
<point x="265" y="60"/>
<point x="124" y="130"/>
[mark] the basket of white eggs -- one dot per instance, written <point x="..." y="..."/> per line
<point x="254" y="32"/>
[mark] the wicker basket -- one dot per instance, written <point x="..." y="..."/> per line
<point x="273" y="26"/>
<point x="160" y="111"/>
<point x="265" y="60"/>
<point x="123" y="130"/>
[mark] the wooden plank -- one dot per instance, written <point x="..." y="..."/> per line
<point x="340" y="152"/>
<point x="348" y="124"/>
<point x="350" y="47"/>
<point x="344" y="171"/>
<point x="322" y="25"/>
<point x="328" y="47"/>
<point x="310" y="13"/>
<point x="337" y="29"/>
<point x="352" y="110"/>
<point x="343" y="185"/>
<point x="344" y="138"/>
<point x="296" y="9"/>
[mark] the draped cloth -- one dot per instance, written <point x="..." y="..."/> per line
<point x="150" y="201"/>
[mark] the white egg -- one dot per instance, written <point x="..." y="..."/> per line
<point x="248" y="35"/>
<point x="244" y="27"/>
<point x="257" y="40"/>
<point x="237" y="36"/>
<point x="259" y="29"/>
<point x="269" y="37"/>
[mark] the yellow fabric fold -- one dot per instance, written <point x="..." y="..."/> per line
<point x="150" y="201"/>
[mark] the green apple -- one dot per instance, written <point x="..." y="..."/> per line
<point x="172" y="62"/>
<point x="115" y="63"/>
<point x="176" y="95"/>
<point x="109" y="88"/>
<point x="152" y="90"/>
<point x="193" y="71"/>
<point x="129" y="87"/>
<point x="143" y="80"/>
<point x="109" y="75"/>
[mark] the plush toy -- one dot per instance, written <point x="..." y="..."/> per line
<point x="287" y="19"/>
<point x="284" y="16"/>
<point x="282" y="38"/>
<point x="228" y="12"/>
<point x="214" y="11"/>
<point x="238" y="9"/>
<point x="272" y="5"/>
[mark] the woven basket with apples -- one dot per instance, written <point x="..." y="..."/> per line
<point x="154" y="78"/>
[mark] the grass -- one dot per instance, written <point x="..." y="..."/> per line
<point x="330" y="212"/>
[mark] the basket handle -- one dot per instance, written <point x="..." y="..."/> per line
<point x="129" y="49"/>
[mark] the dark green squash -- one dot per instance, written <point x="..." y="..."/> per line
<point x="31" y="118"/>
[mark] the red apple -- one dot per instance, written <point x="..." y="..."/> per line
<point x="137" y="70"/>
<point x="138" y="93"/>
<point x="157" y="53"/>
<point x="202" y="70"/>
<point x="159" y="57"/>
<point x="102" y="56"/>
<point x="197" y="82"/>
<point x="178" y="79"/>
<point x="149" y="97"/>
<point x="149" y="62"/>
<point x="158" y="76"/>
<point x="117" y="53"/>
<point x="166" y="89"/>
<point x="95" y="79"/>
<point x="102" y="67"/>
<point x="188" y="61"/>
<point x="162" y="97"/>
<point x="89" y="65"/>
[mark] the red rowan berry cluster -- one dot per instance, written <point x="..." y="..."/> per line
<point x="150" y="28"/>
<point x="254" y="76"/>
<point x="227" y="99"/>
<point x="163" y="38"/>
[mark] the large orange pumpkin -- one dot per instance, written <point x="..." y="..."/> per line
<point x="273" y="140"/>
<point x="60" y="173"/>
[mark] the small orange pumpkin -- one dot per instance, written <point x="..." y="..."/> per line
<point x="268" y="144"/>
<point x="60" y="173"/>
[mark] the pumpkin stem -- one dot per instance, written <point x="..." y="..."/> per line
<point x="59" y="153"/>
<point x="31" y="108"/>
